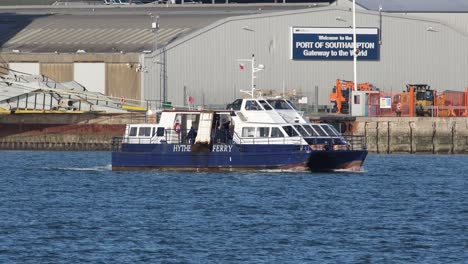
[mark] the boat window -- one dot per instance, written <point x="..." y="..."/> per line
<point x="279" y="104"/>
<point x="160" y="132"/>
<point x="263" y="131"/>
<point x="265" y="104"/>
<point x="153" y="132"/>
<point x="335" y="131"/>
<point x="133" y="132"/>
<point x="319" y="130"/>
<point x="301" y="130"/>
<point x="290" y="131"/>
<point x="236" y="105"/>
<point x="144" y="132"/>
<point x="252" y="105"/>
<point x="276" y="132"/>
<point x="328" y="130"/>
<point x="248" y="131"/>
<point x="309" y="130"/>
<point x="291" y="104"/>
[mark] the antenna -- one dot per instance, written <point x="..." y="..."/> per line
<point x="260" y="67"/>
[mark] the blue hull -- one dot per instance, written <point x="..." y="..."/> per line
<point x="232" y="157"/>
<point x="336" y="160"/>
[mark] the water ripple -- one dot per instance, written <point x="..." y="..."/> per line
<point x="69" y="207"/>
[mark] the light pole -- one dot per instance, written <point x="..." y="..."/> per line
<point x="355" y="54"/>
<point x="254" y="70"/>
<point x="155" y="29"/>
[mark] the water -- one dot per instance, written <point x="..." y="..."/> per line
<point x="69" y="207"/>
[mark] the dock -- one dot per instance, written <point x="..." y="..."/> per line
<point x="94" y="131"/>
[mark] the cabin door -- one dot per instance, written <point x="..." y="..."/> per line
<point x="204" y="128"/>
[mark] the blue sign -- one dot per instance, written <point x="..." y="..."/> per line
<point x="334" y="43"/>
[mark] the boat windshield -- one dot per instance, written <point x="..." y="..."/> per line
<point x="292" y="105"/>
<point x="236" y="105"/>
<point x="335" y="130"/>
<point x="265" y="104"/>
<point x="290" y="131"/>
<point x="301" y="130"/>
<point x="319" y="131"/>
<point x="309" y="130"/>
<point x="252" y="105"/>
<point x="279" y="104"/>
<point x="329" y="131"/>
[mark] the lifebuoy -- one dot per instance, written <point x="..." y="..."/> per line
<point x="176" y="127"/>
<point x="122" y="99"/>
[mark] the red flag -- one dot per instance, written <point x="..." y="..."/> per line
<point x="191" y="100"/>
<point x="241" y="66"/>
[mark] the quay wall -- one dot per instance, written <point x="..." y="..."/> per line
<point x="94" y="131"/>
<point x="441" y="135"/>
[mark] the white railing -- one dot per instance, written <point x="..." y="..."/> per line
<point x="267" y="140"/>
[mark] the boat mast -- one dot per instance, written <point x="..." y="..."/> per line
<point x="260" y="67"/>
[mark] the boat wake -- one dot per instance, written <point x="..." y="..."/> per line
<point x="350" y="171"/>
<point x="293" y="170"/>
<point x="97" y="168"/>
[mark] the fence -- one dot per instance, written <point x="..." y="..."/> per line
<point x="418" y="103"/>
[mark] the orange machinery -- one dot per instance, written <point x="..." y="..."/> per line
<point x="340" y="95"/>
<point x="466" y="102"/>
<point x="416" y="100"/>
<point x="451" y="103"/>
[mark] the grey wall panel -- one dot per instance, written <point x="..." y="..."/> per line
<point x="205" y="61"/>
<point x="91" y="75"/>
<point x="25" y="67"/>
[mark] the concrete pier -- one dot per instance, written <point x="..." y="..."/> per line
<point x="94" y="131"/>
<point x="442" y="135"/>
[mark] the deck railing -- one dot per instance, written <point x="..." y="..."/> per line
<point x="356" y="142"/>
<point x="266" y="140"/>
<point x="173" y="137"/>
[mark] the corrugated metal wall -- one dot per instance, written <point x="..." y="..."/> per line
<point x="123" y="80"/>
<point x="60" y="72"/>
<point x="205" y="62"/>
<point x="3" y="68"/>
<point x="114" y="73"/>
<point x="456" y="20"/>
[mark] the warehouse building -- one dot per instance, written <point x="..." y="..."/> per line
<point x="200" y="49"/>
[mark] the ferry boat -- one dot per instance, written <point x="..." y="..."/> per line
<point x="251" y="133"/>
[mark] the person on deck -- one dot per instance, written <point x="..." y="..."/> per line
<point x="192" y="134"/>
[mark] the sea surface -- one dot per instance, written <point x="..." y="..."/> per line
<point x="69" y="207"/>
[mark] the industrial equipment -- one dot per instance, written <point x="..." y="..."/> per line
<point x="418" y="99"/>
<point x="340" y="94"/>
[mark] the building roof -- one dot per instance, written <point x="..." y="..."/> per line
<point x="416" y="5"/>
<point x="109" y="29"/>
